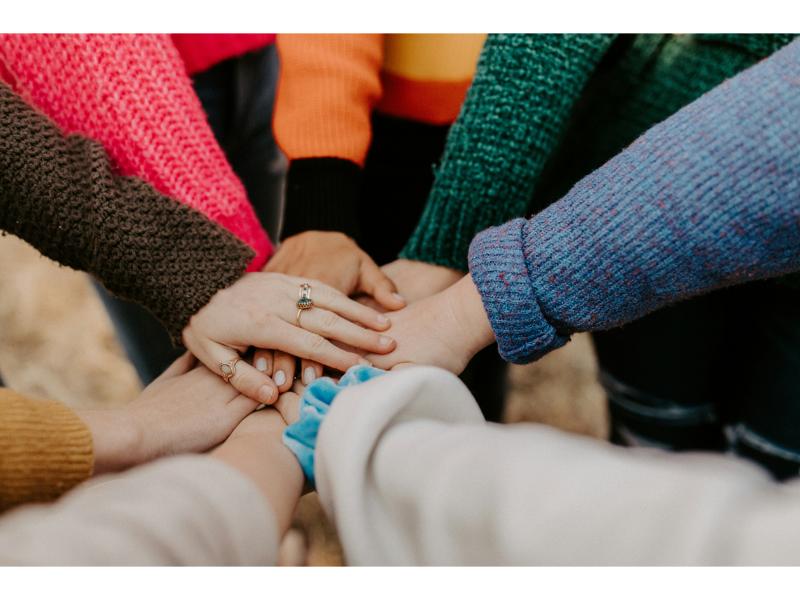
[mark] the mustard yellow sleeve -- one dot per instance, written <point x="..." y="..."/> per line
<point x="45" y="450"/>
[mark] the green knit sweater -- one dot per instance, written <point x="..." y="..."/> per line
<point x="545" y="110"/>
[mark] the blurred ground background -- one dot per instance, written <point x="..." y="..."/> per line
<point x="57" y="342"/>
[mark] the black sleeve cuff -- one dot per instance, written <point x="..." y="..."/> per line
<point x="322" y="195"/>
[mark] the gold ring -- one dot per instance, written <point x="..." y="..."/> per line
<point x="304" y="302"/>
<point x="228" y="369"/>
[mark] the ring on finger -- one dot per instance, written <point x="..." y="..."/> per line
<point x="304" y="302"/>
<point x="228" y="369"/>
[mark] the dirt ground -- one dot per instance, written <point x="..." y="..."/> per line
<point x="57" y="342"/>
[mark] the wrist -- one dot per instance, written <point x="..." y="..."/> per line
<point x="471" y="320"/>
<point x="263" y="458"/>
<point x="116" y="439"/>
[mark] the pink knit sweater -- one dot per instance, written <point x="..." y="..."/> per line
<point x="132" y="94"/>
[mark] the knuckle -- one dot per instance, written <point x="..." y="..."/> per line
<point x="316" y="345"/>
<point x="329" y="321"/>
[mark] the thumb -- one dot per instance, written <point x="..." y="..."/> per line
<point x="376" y="283"/>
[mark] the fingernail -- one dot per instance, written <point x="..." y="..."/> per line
<point x="279" y="378"/>
<point x="385" y="341"/>
<point x="398" y="297"/>
<point x="261" y="364"/>
<point x="365" y="362"/>
<point x="265" y="394"/>
<point x="382" y="319"/>
<point x="309" y="375"/>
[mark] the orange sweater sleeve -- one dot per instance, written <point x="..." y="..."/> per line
<point x="328" y="87"/>
<point x="45" y="450"/>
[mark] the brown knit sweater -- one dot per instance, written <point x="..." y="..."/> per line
<point x="45" y="450"/>
<point x="61" y="195"/>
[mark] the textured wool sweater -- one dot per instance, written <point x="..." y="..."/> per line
<point x="544" y="110"/>
<point x="131" y="93"/>
<point x="45" y="450"/>
<point x="329" y="87"/>
<point x="708" y="198"/>
<point x="60" y="194"/>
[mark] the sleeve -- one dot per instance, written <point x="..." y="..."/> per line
<point x="45" y="450"/>
<point x="515" y="112"/>
<point x="412" y="476"/>
<point x="703" y="200"/>
<point x="131" y="93"/>
<point x="187" y="510"/>
<point x="328" y="87"/>
<point x="61" y="195"/>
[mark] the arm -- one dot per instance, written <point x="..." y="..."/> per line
<point x="131" y="93"/>
<point x="229" y="508"/>
<point x="328" y="87"/>
<point x="412" y="475"/>
<point x="523" y="93"/>
<point x="46" y="448"/>
<point x="706" y="199"/>
<point x="61" y="195"/>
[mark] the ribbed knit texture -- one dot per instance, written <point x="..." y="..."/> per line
<point x="708" y="198"/>
<point x="327" y="89"/>
<point x="45" y="450"/>
<point x="322" y="195"/>
<point x="60" y="194"/>
<point x="131" y="93"/>
<point x="331" y="86"/>
<point x="544" y="110"/>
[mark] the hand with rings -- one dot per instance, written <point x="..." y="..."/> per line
<point x="283" y="317"/>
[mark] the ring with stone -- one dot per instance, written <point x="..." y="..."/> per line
<point x="228" y="369"/>
<point x="304" y="302"/>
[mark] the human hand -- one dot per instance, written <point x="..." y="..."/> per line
<point x="416" y="280"/>
<point x="336" y="260"/>
<point x="187" y="409"/>
<point x="445" y="330"/>
<point x="260" y="310"/>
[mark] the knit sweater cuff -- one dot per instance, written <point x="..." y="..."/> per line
<point x="498" y="268"/>
<point x="322" y="195"/>
<point x="45" y="450"/>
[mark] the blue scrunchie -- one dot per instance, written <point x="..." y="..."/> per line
<point x="301" y="436"/>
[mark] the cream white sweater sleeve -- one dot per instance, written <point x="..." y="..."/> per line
<point x="187" y="510"/>
<point x="412" y="474"/>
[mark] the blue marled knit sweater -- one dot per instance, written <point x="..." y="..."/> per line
<point x="708" y="198"/>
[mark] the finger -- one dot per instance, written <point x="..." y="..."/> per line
<point x="288" y="405"/>
<point x="309" y="371"/>
<point x="377" y="284"/>
<point x="182" y="365"/>
<point x="239" y="408"/>
<point x="335" y="301"/>
<point x="299" y="388"/>
<point x="305" y="344"/>
<point x="384" y="361"/>
<point x="246" y="379"/>
<point x="331" y="326"/>
<point x="263" y="361"/>
<point x="283" y="370"/>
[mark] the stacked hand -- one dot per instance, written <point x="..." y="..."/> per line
<point x="260" y="310"/>
<point x="445" y="330"/>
